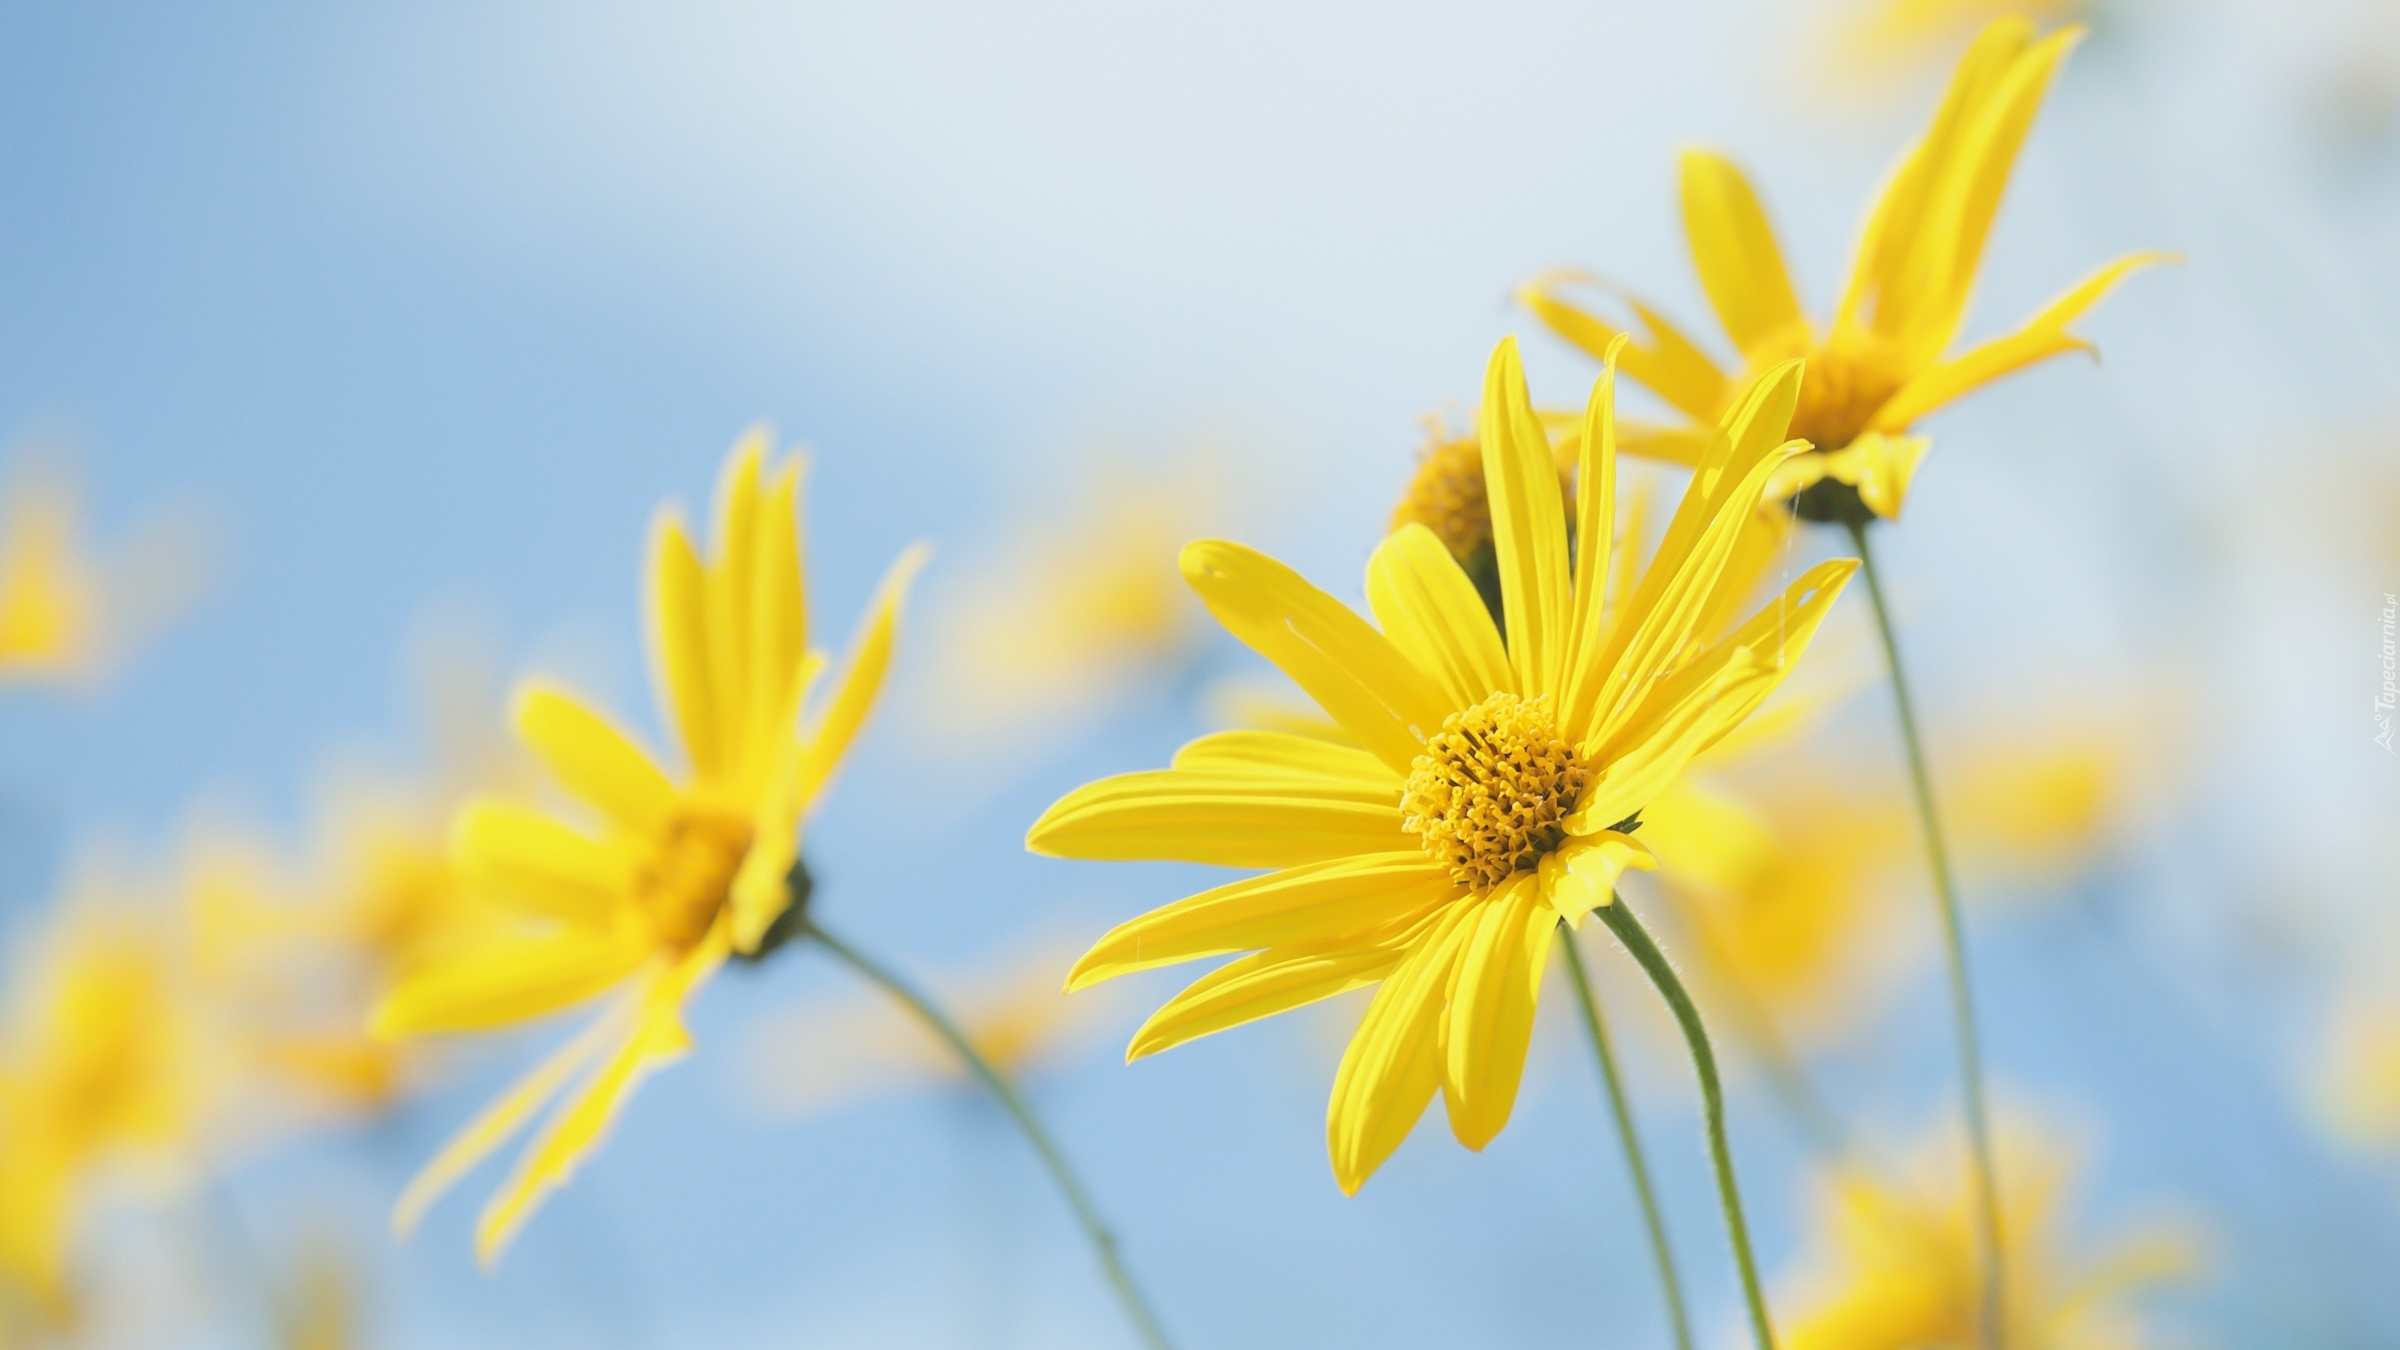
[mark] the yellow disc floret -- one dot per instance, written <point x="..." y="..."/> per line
<point x="690" y="871"/>
<point x="1447" y="496"/>
<point x="1491" y="790"/>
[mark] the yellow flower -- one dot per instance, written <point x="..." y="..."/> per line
<point x="1892" y="1263"/>
<point x="64" y="618"/>
<point x="1785" y="865"/>
<point x="1078" y="605"/>
<point x="1485" y="789"/>
<point x="1013" y="1012"/>
<point x="108" y="1059"/>
<point x="676" y="876"/>
<point x="1885" y="360"/>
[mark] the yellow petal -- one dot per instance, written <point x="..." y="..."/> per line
<point x="658" y="1038"/>
<point x="778" y="615"/>
<point x="1595" y="522"/>
<point x="1959" y="218"/>
<point x="1260" y="819"/>
<point x="1674" y="598"/>
<point x="1734" y="249"/>
<point x="729" y="599"/>
<point x="500" y="1122"/>
<point x="1394" y="1062"/>
<point x="1353" y="672"/>
<point x="1881" y="468"/>
<point x="1285" y="752"/>
<point x="593" y="759"/>
<point x="1581" y="875"/>
<point x="862" y="680"/>
<point x="1529" y="525"/>
<point x="2043" y="336"/>
<point x="1282" y="909"/>
<point x="1431" y="612"/>
<point x="1492" y="1009"/>
<point x="1261" y="986"/>
<point x="1667" y="363"/>
<point x="1688" y="712"/>
<point x="511" y="979"/>
<point x="528" y="858"/>
<point x="680" y="642"/>
<point x="1887" y="289"/>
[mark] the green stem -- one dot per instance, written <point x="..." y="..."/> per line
<point x="1954" y="946"/>
<point x="1621" y="921"/>
<point x="1104" y="1243"/>
<point x="1617" y="1105"/>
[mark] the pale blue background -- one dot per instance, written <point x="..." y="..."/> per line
<point x="434" y="303"/>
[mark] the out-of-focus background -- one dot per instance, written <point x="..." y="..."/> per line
<point x="369" y="338"/>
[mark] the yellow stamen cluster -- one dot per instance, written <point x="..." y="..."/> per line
<point x="1447" y="496"/>
<point x="690" y="871"/>
<point x="1851" y="375"/>
<point x="1489" y="794"/>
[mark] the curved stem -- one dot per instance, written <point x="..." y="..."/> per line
<point x="1104" y="1243"/>
<point x="1954" y="946"/>
<point x="1620" y="920"/>
<point x="1634" y="1163"/>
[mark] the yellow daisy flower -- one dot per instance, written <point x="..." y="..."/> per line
<point x="1488" y="787"/>
<point x="1885" y="359"/>
<point x="110" y="1056"/>
<point x="1892" y="1262"/>
<point x="675" y="876"/>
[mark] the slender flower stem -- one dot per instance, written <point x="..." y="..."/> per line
<point x="1620" y="920"/>
<point x="1651" y="1218"/>
<point x="1954" y="945"/>
<point x="1104" y="1243"/>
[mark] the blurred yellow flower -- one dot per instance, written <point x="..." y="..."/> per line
<point x="1077" y="605"/>
<point x="380" y="897"/>
<point x="1481" y="792"/>
<point x="1013" y="1012"/>
<point x="677" y="877"/>
<point x="1891" y="1262"/>
<point x="110" y="1059"/>
<point x="1788" y="862"/>
<point x="65" y="618"/>
<point x="1884" y="362"/>
<point x="2358" y="1066"/>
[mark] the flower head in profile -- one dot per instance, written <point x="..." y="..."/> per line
<point x="1885" y="360"/>
<point x="1482" y="789"/>
<point x="109" y="1059"/>
<point x="640" y="898"/>
<point x="1891" y="1265"/>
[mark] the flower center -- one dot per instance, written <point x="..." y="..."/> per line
<point x="1489" y="794"/>
<point x="1447" y="495"/>
<point x="1851" y="374"/>
<point x="690" y="870"/>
